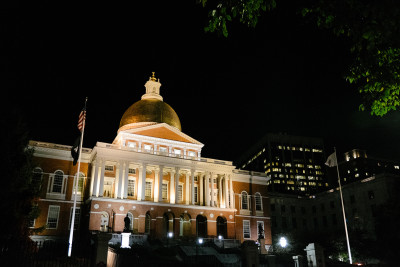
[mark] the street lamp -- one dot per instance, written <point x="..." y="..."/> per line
<point x="169" y="236"/>
<point x="283" y="242"/>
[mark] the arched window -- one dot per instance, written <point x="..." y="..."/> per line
<point x="58" y="182"/>
<point x="130" y="216"/>
<point x="245" y="201"/>
<point x="81" y="181"/>
<point x="147" y="222"/>
<point x="258" y="201"/>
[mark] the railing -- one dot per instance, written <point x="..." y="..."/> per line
<point x="162" y="153"/>
<point x="56" y="146"/>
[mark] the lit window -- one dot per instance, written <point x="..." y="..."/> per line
<point x="148" y="189"/>
<point x="192" y="154"/>
<point x="77" y="218"/>
<point x="131" y="144"/>
<point x="58" y="182"/>
<point x="177" y="151"/>
<point x="246" y="229"/>
<point x="258" y="201"/>
<point x="109" y="168"/>
<point x="52" y="217"/>
<point x="147" y="148"/>
<point x="80" y="184"/>
<point x="163" y="150"/>
<point x="245" y="202"/>
<point x="164" y="191"/>
<point x="180" y="193"/>
<point x="131" y="188"/>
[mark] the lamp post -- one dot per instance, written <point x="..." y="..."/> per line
<point x="283" y="242"/>
<point x="169" y="236"/>
<point x="198" y="243"/>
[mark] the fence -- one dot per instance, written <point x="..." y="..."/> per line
<point x="44" y="254"/>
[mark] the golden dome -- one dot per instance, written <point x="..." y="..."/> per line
<point x="150" y="110"/>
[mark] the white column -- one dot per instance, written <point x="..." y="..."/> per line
<point x="92" y="178"/>
<point x="192" y="201"/>
<point x="231" y="193"/>
<point x="226" y="191"/>
<point x="143" y="182"/>
<point x="172" y="195"/>
<point x="207" y="189"/>
<point x="117" y="179"/>
<point x="125" y="179"/>
<point x="187" y="194"/>
<point x="101" y="187"/>
<point x="176" y="183"/>
<point x="96" y="178"/>
<point x="160" y="179"/>
<point x="156" y="184"/>
<point x="212" y="189"/>
<point x="220" y="192"/>
<point x="120" y="184"/>
<point x="201" y="189"/>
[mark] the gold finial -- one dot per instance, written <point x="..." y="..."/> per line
<point x="153" y="78"/>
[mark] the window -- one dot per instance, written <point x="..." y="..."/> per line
<point x="163" y="150"/>
<point x="245" y="203"/>
<point x="352" y="199"/>
<point x="109" y="168"/>
<point x="283" y="208"/>
<point x="196" y="190"/>
<point x="258" y="200"/>
<point x="77" y="218"/>
<point x="147" y="148"/>
<point x="81" y="180"/>
<point x="284" y="223"/>
<point x="52" y="217"/>
<point x="180" y="193"/>
<point x="293" y="209"/>
<point x="131" y="144"/>
<point x="131" y="188"/>
<point x="58" y="182"/>
<point x="147" y="224"/>
<point x="164" y="191"/>
<point x="147" y="191"/>
<point x="294" y="223"/>
<point x="246" y="229"/>
<point x="260" y="229"/>
<point x="192" y="154"/>
<point x="131" y="171"/>
<point x="130" y="216"/>
<point x="272" y="207"/>
<point x="177" y="152"/>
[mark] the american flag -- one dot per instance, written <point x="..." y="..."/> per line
<point x="81" y="121"/>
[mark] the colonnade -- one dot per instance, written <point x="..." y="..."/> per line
<point x="214" y="189"/>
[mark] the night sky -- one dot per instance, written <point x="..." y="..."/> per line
<point x="285" y="75"/>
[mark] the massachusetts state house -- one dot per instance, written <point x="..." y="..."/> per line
<point x="153" y="173"/>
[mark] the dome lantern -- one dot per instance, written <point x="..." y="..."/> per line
<point x="151" y="109"/>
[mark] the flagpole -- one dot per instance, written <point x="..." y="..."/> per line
<point x="71" y="231"/>
<point x="344" y="213"/>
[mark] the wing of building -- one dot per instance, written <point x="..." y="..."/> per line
<point x="154" y="174"/>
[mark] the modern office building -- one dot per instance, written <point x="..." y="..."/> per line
<point x="295" y="164"/>
<point x="153" y="173"/>
<point x="358" y="166"/>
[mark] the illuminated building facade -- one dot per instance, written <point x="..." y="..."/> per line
<point x="154" y="174"/>
<point x="295" y="164"/>
<point x="358" y="166"/>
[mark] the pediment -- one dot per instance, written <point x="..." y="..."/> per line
<point x="164" y="131"/>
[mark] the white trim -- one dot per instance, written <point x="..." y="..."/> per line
<point x="257" y="217"/>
